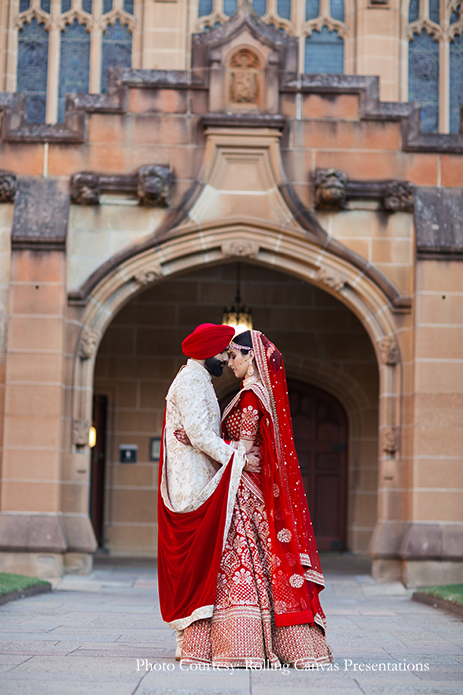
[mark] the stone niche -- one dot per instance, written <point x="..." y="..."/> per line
<point x="244" y="62"/>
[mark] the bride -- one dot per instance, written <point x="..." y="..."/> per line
<point x="267" y="605"/>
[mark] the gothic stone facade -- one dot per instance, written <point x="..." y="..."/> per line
<point x="121" y="230"/>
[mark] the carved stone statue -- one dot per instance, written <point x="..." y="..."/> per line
<point x="148" y="275"/>
<point x="389" y="351"/>
<point x="240" y="247"/>
<point x="7" y="187"/>
<point x="85" y="189"/>
<point x="153" y="186"/>
<point x="88" y="344"/>
<point x="330" y="278"/>
<point x="390" y="440"/>
<point x="330" y="189"/>
<point x="80" y="430"/>
<point x="398" y="196"/>
<point x="244" y="68"/>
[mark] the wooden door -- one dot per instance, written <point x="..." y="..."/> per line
<point x="320" y="436"/>
<point x="97" y="475"/>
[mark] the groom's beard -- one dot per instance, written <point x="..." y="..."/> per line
<point x="214" y="366"/>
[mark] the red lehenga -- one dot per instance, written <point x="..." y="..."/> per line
<point x="266" y="607"/>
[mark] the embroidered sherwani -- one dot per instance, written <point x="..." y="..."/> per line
<point x="197" y="491"/>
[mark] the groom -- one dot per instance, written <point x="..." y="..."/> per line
<point x="191" y="479"/>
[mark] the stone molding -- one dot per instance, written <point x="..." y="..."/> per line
<point x="7" y="187"/>
<point x="152" y="184"/>
<point x="333" y="190"/>
<point x="240" y="248"/>
<point x="80" y="430"/>
<point x="330" y="278"/>
<point x="88" y="343"/>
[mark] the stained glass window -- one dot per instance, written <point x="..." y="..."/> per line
<point x="434" y="11"/>
<point x="205" y="8"/>
<point x="260" y="7"/>
<point x="229" y="7"/>
<point x="33" y="69"/>
<point x="107" y="6"/>
<point x="65" y="5"/>
<point x="74" y="63"/>
<point x="456" y="82"/>
<point x="455" y="16"/>
<point x="337" y="9"/>
<point x="45" y="5"/>
<point x="423" y="79"/>
<point x="87" y="6"/>
<point x="117" y="51"/>
<point x="413" y="10"/>
<point x="128" y="6"/>
<point x="24" y="5"/>
<point x="312" y="9"/>
<point x="324" y="52"/>
<point x="284" y="8"/>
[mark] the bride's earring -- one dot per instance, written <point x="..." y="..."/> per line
<point x="250" y="370"/>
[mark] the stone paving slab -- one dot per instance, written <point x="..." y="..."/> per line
<point x="94" y="635"/>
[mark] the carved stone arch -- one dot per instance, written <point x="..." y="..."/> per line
<point x="244" y="67"/>
<point x="33" y="13"/>
<point x="126" y="19"/>
<point x="68" y="18"/>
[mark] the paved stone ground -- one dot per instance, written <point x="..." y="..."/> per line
<point x="103" y="635"/>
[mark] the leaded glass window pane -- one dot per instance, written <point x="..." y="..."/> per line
<point x="107" y="6"/>
<point x="33" y="69"/>
<point x="260" y="7"/>
<point x="413" y="10"/>
<point x="116" y="51"/>
<point x="456" y="82"/>
<point x="205" y="8"/>
<point x="229" y="7"/>
<point x="24" y="5"/>
<point x="455" y="16"/>
<point x="74" y="63"/>
<point x="65" y="5"/>
<point x="434" y="11"/>
<point x="337" y="9"/>
<point x="312" y="9"/>
<point x="45" y="5"/>
<point x="284" y="8"/>
<point x="128" y="6"/>
<point x="87" y="6"/>
<point x="324" y="52"/>
<point x="423" y="79"/>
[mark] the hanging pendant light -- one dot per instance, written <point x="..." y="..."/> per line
<point x="237" y="314"/>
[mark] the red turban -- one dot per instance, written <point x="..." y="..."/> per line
<point x="207" y="340"/>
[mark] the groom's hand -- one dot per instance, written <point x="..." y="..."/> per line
<point x="254" y="460"/>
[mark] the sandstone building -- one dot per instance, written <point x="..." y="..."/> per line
<point x="152" y="150"/>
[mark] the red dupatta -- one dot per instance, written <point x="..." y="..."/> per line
<point x="297" y="578"/>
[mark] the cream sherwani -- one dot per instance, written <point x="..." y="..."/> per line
<point x="190" y="470"/>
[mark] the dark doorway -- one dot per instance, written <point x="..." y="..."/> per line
<point x="97" y="475"/>
<point x="320" y="436"/>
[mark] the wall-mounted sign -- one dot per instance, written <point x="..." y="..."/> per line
<point x="155" y="448"/>
<point x="128" y="453"/>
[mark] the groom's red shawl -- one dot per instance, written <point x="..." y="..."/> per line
<point x="190" y="550"/>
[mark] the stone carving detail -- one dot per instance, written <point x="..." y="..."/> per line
<point x="153" y="186"/>
<point x="398" y="196"/>
<point x="7" y="187"/>
<point x="240" y="247"/>
<point x="88" y="344"/>
<point x="146" y="276"/>
<point x="80" y="430"/>
<point x="389" y="351"/>
<point x="390" y="439"/>
<point x="244" y="69"/>
<point x="85" y="189"/>
<point x="330" y="189"/>
<point x="330" y="278"/>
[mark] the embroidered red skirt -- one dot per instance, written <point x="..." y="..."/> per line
<point x="242" y="632"/>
